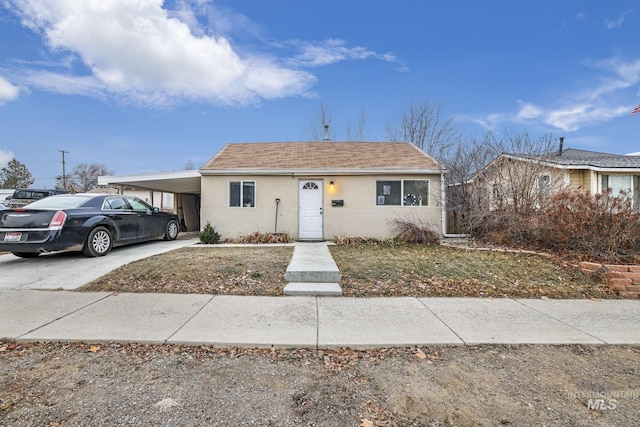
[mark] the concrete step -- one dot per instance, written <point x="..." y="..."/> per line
<point x="313" y="289"/>
<point x="312" y="262"/>
<point x="317" y="276"/>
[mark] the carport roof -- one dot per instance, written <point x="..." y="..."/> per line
<point x="185" y="182"/>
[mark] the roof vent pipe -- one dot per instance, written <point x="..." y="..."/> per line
<point x="561" y="144"/>
<point x="326" y="134"/>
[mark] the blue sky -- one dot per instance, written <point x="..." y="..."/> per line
<point x="148" y="86"/>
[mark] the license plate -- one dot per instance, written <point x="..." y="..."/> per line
<point x="12" y="237"/>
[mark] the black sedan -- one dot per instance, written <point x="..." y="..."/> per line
<point x="88" y="222"/>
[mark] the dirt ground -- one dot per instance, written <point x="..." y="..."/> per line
<point x="135" y="385"/>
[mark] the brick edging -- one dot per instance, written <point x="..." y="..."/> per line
<point x="623" y="279"/>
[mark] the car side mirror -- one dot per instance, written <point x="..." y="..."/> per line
<point x="155" y="210"/>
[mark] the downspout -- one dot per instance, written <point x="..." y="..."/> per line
<point x="443" y="202"/>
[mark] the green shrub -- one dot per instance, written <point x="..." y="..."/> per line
<point x="209" y="235"/>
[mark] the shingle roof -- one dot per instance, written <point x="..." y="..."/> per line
<point x="574" y="157"/>
<point x="329" y="156"/>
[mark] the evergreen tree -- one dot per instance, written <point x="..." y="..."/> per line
<point x="15" y="175"/>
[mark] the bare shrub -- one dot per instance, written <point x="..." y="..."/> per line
<point x="603" y="227"/>
<point x="356" y="241"/>
<point x="413" y="230"/>
<point x="262" y="238"/>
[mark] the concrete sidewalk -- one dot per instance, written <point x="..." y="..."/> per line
<point x="31" y="315"/>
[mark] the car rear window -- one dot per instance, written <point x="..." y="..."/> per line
<point x="59" y="202"/>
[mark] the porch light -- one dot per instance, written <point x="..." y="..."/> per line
<point x="331" y="184"/>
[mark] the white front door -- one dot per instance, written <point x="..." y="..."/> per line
<point x="310" y="209"/>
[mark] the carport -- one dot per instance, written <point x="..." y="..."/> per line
<point x="184" y="185"/>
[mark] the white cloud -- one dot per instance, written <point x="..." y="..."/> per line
<point x="528" y="111"/>
<point x="8" y="92"/>
<point x="6" y="157"/>
<point x="331" y="51"/>
<point x="576" y="116"/>
<point x="602" y="101"/>
<point x="138" y="51"/>
<point x="611" y="24"/>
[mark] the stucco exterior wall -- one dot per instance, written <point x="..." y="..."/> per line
<point x="359" y="217"/>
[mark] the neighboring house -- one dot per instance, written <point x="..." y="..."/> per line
<point x="320" y="190"/>
<point x="516" y="178"/>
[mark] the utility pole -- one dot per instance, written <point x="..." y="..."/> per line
<point x="64" y="175"/>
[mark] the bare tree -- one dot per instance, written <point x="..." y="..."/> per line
<point x="189" y="165"/>
<point x="516" y="175"/>
<point x="356" y="132"/>
<point x="85" y="177"/>
<point x="509" y="174"/>
<point x="422" y="125"/>
<point x="320" y="127"/>
<point x="464" y="198"/>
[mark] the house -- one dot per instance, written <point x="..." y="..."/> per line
<point x="319" y="190"/>
<point x="526" y="180"/>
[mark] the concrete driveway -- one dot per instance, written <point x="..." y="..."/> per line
<point x="70" y="270"/>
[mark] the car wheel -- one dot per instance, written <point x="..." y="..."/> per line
<point x="171" y="232"/>
<point x="26" y="254"/>
<point x="99" y="242"/>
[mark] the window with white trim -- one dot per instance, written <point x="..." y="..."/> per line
<point x="403" y="192"/>
<point x="242" y="194"/>
<point x="628" y="184"/>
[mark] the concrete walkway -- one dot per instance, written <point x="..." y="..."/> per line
<point x="30" y="315"/>
<point x="312" y="271"/>
<point x="311" y="321"/>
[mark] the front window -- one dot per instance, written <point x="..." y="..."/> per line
<point x="625" y="184"/>
<point x="389" y="193"/>
<point x="242" y="194"/>
<point x="416" y="193"/>
<point x="405" y="192"/>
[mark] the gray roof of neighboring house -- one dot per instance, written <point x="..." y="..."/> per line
<point x="576" y="158"/>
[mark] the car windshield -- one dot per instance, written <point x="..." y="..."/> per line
<point x="58" y="202"/>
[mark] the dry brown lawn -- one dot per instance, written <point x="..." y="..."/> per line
<point x="368" y="270"/>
